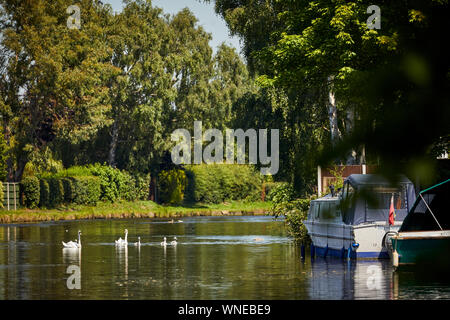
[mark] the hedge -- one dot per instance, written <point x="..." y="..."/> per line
<point x="56" y="191"/>
<point x="172" y="184"/>
<point x="68" y="189"/>
<point x="216" y="183"/>
<point x="30" y="192"/>
<point x="86" y="190"/>
<point x="44" y="197"/>
<point x="2" y="195"/>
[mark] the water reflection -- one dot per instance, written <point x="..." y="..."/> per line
<point x="337" y="279"/>
<point x="215" y="258"/>
<point x="72" y="256"/>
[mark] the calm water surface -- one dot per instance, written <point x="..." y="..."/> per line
<point x="216" y="258"/>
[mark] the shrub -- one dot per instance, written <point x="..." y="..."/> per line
<point x="86" y="189"/>
<point x="280" y="192"/>
<point x="172" y="184"/>
<point x="2" y="195"/>
<point x="68" y="189"/>
<point x="30" y="192"/>
<point x="141" y="186"/>
<point x="216" y="183"/>
<point x="44" y="197"/>
<point x="56" y="191"/>
<point x="115" y="184"/>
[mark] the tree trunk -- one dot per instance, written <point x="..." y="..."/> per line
<point x="113" y="144"/>
<point x="21" y="163"/>
<point x="332" y="113"/>
<point x="352" y="156"/>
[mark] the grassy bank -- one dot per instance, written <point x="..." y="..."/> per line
<point x="136" y="209"/>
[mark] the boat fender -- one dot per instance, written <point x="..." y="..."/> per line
<point x="395" y="258"/>
<point x="326" y="252"/>
<point x="355" y="246"/>
<point x="302" y="251"/>
<point x="349" y="252"/>
<point x="313" y="251"/>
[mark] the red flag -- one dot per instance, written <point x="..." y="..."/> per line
<point x="392" y="212"/>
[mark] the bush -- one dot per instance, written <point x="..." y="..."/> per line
<point x="2" y="194"/>
<point x="56" y="191"/>
<point x="44" y="198"/>
<point x="141" y="186"/>
<point x="216" y="183"/>
<point x="68" y="189"/>
<point x="172" y="184"/>
<point x="280" y="192"/>
<point x="30" y="192"/>
<point x="86" y="189"/>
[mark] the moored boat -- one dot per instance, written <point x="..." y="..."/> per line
<point x="354" y="223"/>
<point x="424" y="237"/>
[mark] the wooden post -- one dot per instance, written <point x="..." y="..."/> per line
<point x="15" y="201"/>
<point x="319" y="181"/>
<point x="7" y="194"/>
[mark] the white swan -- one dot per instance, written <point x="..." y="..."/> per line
<point x="73" y="244"/>
<point x="121" y="241"/>
<point x="138" y="244"/>
<point x="164" y="243"/>
<point x="174" y="242"/>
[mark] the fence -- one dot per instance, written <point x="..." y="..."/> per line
<point x="10" y="195"/>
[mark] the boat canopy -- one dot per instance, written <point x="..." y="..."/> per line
<point x="430" y="210"/>
<point x="367" y="198"/>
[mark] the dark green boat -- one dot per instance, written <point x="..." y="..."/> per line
<point x="424" y="237"/>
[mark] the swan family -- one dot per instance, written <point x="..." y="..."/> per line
<point x="119" y="242"/>
<point x="172" y="243"/>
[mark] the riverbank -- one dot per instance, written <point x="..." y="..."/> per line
<point x="136" y="209"/>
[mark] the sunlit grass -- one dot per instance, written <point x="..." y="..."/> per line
<point x="136" y="209"/>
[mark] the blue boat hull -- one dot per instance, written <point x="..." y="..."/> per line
<point x="343" y="253"/>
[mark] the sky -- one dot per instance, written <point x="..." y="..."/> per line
<point x="204" y="12"/>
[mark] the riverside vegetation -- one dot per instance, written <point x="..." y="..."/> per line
<point x="100" y="191"/>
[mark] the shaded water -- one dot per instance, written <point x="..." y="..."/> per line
<point x="215" y="258"/>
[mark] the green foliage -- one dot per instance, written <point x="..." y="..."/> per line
<point x="68" y="189"/>
<point x="295" y="213"/>
<point x="56" y="196"/>
<point x="86" y="190"/>
<point x="141" y="186"/>
<point x="30" y="191"/>
<point x="44" y="198"/>
<point x="216" y="183"/>
<point x="112" y="181"/>
<point x="172" y="184"/>
<point x="281" y="192"/>
<point x="3" y="157"/>
<point x="2" y="195"/>
<point x="115" y="184"/>
<point x="338" y="176"/>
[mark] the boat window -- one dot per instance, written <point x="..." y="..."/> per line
<point x="316" y="210"/>
<point x="312" y="211"/>
<point x="380" y="198"/>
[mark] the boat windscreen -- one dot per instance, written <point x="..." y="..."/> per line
<point x="421" y="219"/>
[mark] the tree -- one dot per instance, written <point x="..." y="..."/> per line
<point x="380" y="84"/>
<point x="53" y="77"/>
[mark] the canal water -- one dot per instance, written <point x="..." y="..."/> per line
<point x="215" y="258"/>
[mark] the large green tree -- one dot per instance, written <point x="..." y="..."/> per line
<point x="53" y="79"/>
<point x="383" y="88"/>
